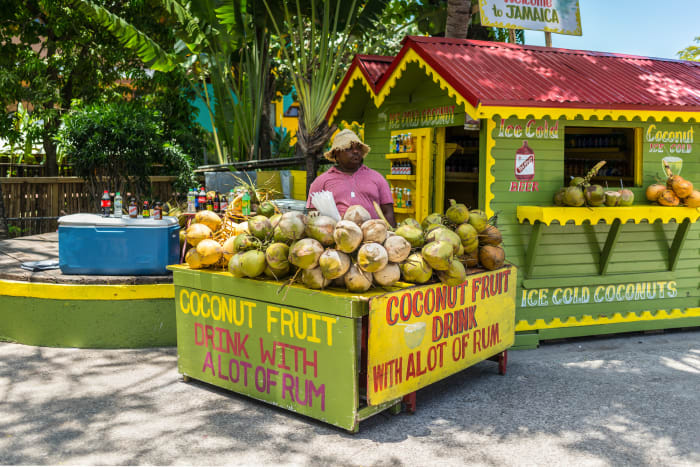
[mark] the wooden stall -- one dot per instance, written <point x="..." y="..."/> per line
<point x="501" y="127"/>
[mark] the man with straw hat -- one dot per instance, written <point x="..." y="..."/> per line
<point x="352" y="182"/>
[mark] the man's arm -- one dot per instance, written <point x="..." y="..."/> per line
<point x="388" y="211"/>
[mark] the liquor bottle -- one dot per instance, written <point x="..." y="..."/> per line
<point x="146" y="212"/>
<point x="245" y="205"/>
<point x="157" y="211"/>
<point x="191" y="208"/>
<point x="133" y="209"/>
<point x="118" y="205"/>
<point x="217" y="202"/>
<point x="106" y="204"/>
<point x="223" y="203"/>
<point x="202" y="198"/>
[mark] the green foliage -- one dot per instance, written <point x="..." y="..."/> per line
<point x="113" y="147"/>
<point x="692" y="52"/>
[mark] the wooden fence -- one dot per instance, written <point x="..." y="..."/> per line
<point x="33" y="204"/>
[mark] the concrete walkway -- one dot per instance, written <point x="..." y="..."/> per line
<point x="631" y="400"/>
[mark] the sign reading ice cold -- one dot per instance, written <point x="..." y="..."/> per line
<point x="420" y="335"/>
<point x="669" y="140"/>
<point x="631" y="291"/>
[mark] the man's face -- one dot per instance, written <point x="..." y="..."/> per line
<point x="350" y="159"/>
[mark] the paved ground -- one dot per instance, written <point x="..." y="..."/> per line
<point x="632" y="400"/>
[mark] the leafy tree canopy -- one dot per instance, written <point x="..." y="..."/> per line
<point x="692" y="52"/>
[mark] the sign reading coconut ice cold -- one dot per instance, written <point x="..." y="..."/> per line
<point x="293" y="358"/>
<point x="559" y="16"/>
<point x="423" y="334"/>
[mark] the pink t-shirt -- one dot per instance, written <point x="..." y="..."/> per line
<point x="362" y="187"/>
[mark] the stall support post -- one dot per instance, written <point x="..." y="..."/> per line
<point x="610" y="243"/>
<point x="677" y="245"/>
<point x="532" y="246"/>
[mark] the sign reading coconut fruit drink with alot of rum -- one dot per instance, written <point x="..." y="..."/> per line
<point x="423" y="334"/>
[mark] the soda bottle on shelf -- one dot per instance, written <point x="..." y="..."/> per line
<point x="106" y="204"/>
<point x="223" y="203"/>
<point x="409" y="201"/>
<point x="245" y="205"/>
<point x="118" y="205"/>
<point x="217" y="202"/>
<point x="202" y="198"/>
<point x="133" y="209"/>
<point x="146" y="211"/>
<point x="191" y="208"/>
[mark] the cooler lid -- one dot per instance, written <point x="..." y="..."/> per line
<point x="97" y="220"/>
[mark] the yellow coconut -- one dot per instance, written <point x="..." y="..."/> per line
<point x="210" y="251"/>
<point x="208" y="218"/>
<point x="194" y="259"/>
<point x="196" y="233"/>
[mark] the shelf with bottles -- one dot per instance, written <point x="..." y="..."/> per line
<point x="399" y="210"/>
<point x="403" y="198"/>
<point x="411" y="156"/>
<point x="462" y="163"/>
<point x="607" y="141"/>
<point x="402" y="167"/>
<point x="410" y="178"/>
<point x="617" y="168"/>
<point x="403" y="143"/>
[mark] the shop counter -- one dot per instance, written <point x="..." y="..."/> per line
<point x="336" y="356"/>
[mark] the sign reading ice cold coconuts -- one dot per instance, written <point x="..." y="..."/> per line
<point x="559" y="16"/>
<point x="423" y="334"/>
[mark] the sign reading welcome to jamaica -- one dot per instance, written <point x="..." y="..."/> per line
<point x="559" y="16"/>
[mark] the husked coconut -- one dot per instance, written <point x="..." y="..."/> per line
<point x="387" y="276"/>
<point x="333" y="263"/>
<point x="347" y="236"/>
<point x="313" y="278"/>
<point x="194" y="259"/>
<point x="228" y="248"/>
<point x="374" y="230"/>
<point x="397" y="248"/>
<point x="357" y="214"/>
<point x="208" y="218"/>
<point x="210" y="251"/>
<point x="321" y="228"/>
<point x="357" y="280"/>
<point x="372" y="257"/>
<point x="305" y="253"/>
<point x="196" y="233"/>
<point x="413" y="234"/>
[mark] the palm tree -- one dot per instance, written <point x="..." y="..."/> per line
<point x="3" y="220"/>
<point x="459" y="15"/>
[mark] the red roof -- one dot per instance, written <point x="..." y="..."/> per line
<point x="373" y="66"/>
<point x="499" y="74"/>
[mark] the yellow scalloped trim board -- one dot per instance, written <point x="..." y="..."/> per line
<point x="86" y="292"/>
<point x="637" y="214"/>
<point x="490" y="162"/>
<point x="588" y="320"/>
<point x="356" y="75"/>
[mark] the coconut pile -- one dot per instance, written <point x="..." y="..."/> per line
<point x="354" y="253"/>
<point x="677" y="191"/>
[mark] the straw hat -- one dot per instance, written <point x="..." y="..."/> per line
<point x="344" y="140"/>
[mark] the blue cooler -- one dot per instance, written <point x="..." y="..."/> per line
<point x="91" y="244"/>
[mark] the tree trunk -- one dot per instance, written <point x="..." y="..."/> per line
<point x="311" y="146"/>
<point x="50" y="164"/>
<point x="459" y="15"/>
<point x="3" y="220"/>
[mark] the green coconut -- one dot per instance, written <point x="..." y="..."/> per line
<point x="415" y="269"/>
<point x="413" y="234"/>
<point x="290" y="227"/>
<point x="387" y="276"/>
<point x="446" y="235"/>
<point x="559" y="197"/>
<point x="454" y="275"/>
<point x="305" y="253"/>
<point x="432" y="231"/>
<point x="577" y="181"/>
<point x="260" y="227"/>
<point x="457" y="213"/>
<point x="321" y="228"/>
<point x="333" y="263"/>
<point x="434" y="218"/>
<point x="234" y="265"/>
<point x="595" y="195"/>
<point x="347" y="236"/>
<point x="357" y="280"/>
<point x="277" y="255"/>
<point x="245" y="242"/>
<point x="397" y="248"/>
<point x="478" y="219"/>
<point x="372" y="257"/>
<point x="253" y="263"/>
<point x="274" y="273"/>
<point x="410" y="221"/>
<point x="275" y="219"/>
<point x="573" y="196"/>
<point x="313" y="278"/>
<point x="471" y="246"/>
<point x="438" y="254"/>
<point x="466" y="232"/>
<point x="626" y="197"/>
<point x="266" y="209"/>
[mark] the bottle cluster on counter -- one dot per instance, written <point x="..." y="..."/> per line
<point x="115" y="209"/>
<point x="402" y="143"/>
<point x="199" y="200"/>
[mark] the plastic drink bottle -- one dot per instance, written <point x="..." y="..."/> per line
<point x="202" y="197"/>
<point x="399" y="204"/>
<point x="118" y="205"/>
<point x="223" y="203"/>
<point x="106" y="204"/>
<point x="217" y="202"/>
<point x="190" y="201"/>
<point x="245" y="206"/>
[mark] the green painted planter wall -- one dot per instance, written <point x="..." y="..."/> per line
<point x="87" y="323"/>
